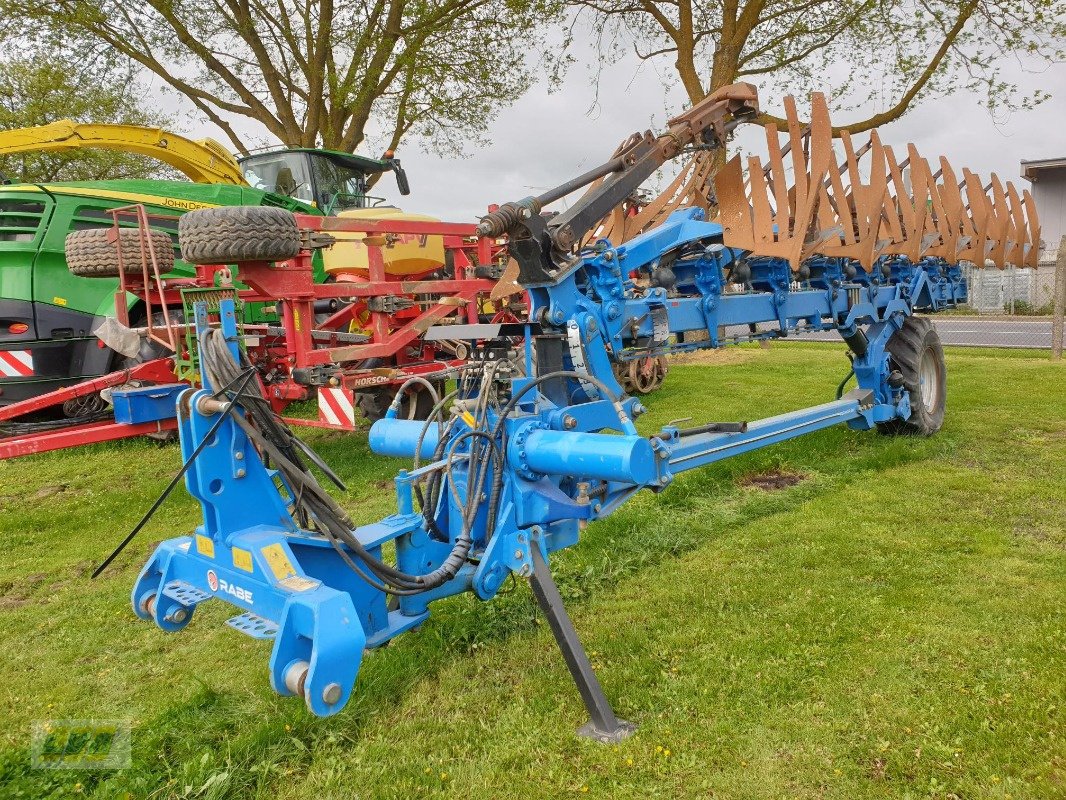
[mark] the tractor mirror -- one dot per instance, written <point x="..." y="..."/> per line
<point x="401" y="178"/>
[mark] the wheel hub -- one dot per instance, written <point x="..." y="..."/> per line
<point x="929" y="380"/>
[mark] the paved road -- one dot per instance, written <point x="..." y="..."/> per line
<point x="983" y="332"/>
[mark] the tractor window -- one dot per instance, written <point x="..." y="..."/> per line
<point x="282" y="173"/>
<point x="339" y="187"/>
<point x="19" y="220"/>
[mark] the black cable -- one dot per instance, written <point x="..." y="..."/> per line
<point x="174" y="481"/>
<point x="28" y="428"/>
<point x="272" y="437"/>
<point x="428" y="509"/>
<point x="843" y="383"/>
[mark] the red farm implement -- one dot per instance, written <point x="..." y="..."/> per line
<point x="352" y="340"/>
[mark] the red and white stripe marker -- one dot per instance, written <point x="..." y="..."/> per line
<point x="16" y="364"/>
<point x="336" y="407"/>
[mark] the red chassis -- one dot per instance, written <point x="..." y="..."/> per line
<point x="388" y="314"/>
<point x="370" y="341"/>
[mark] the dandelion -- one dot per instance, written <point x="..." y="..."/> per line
<point x="584" y="789"/>
<point x="629" y="762"/>
<point x="444" y="776"/>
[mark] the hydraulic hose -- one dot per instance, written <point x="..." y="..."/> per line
<point x="245" y="378"/>
<point x="275" y="441"/>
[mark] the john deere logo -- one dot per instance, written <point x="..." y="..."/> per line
<point x="212" y="580"/>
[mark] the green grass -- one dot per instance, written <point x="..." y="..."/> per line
<point x="891" y="626"/>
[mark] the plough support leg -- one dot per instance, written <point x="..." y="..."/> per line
<point x="603" y="726"/>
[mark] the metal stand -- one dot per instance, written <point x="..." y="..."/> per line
<point x="603" y="726"/>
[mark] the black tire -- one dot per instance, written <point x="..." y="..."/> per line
<point x="375" y="402"/>
<point x="92" y="254"/>
<point x="238" y="233"/>
<point x="150" y="349"/>
<point x="916" y="352"/>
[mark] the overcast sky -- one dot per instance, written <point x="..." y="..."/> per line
<point x="546" y="138"/>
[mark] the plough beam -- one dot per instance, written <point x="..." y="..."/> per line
<point x="538" y="439"/>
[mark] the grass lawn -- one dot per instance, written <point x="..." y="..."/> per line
<point x="891" y="625"/>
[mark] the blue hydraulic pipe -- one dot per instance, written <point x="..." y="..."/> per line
<point x="627" y="459"/>
<point x="399" y="438"/>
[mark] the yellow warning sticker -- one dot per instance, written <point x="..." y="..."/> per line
<point x="242" y="559"/>
<point x="300" y="584"/>
<point x="296" y="322"/>
<point x="278" y="560"/>
<point x="59" y="301"/>
<point x="205" y="546"/>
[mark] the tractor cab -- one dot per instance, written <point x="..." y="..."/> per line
<point x="331" y="181"/>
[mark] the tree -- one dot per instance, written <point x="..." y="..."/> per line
<point x="889" y="52"/>
<point x="318" y="72"/>
<point x="37" y="90"/>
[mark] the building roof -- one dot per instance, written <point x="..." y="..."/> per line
<point x="1031" y="168"/>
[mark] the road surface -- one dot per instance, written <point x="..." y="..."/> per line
<point x="997" y="332"/>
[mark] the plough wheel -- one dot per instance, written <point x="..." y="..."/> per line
<point x="416" y="404"/>
<point x="647" y="374"/>
<point x="621" y="374"/>
<point x="915" y="351"/>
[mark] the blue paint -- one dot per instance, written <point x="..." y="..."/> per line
<point x="569" y="454"/>
<point x="146" y="403"/>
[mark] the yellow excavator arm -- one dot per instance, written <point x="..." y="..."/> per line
<point x="203" y="161"/>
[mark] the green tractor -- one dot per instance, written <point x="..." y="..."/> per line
<point x="48" y="314"/>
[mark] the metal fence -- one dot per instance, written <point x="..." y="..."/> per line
<point x="1007" y="308"/>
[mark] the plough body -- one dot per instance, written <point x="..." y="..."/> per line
<point x="540" y="441"/>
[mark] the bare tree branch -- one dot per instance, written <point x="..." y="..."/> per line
<point x="317" y="71"/>
<point x="908" y="50"/>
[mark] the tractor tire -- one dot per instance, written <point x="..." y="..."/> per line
<point x="915" y="351"/>
<point x="238" y="233"/>
<point x="375" y="402"/>
<point x="92" y="254"/>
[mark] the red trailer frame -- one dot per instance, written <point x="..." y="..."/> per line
<point x="391" y="315"/>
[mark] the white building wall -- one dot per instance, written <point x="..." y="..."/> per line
<point x="1049" y="192"/>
